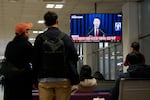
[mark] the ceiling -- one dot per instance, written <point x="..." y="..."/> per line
<point x="12" y="12"/>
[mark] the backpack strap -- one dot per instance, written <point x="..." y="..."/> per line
<point x="60" y="36"/>
<point x="44" y="37"/>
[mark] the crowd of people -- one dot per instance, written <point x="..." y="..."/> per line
<point x="52" y="72"/>
<point x="55" y="74"/>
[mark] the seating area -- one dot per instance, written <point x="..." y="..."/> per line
<point x="90" y="96"/>
<point x="81" y="96"/>
<point x="102" y="91"/>
<point x="105" y="85"/>
<point x="134" y="89"/>
<point x="130" y="89"/>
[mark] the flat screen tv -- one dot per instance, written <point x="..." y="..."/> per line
<point x="96" y="27"/>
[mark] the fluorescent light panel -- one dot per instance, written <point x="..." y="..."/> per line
<point x="37" y="32"/>
<point x="50" y="5"/>
<point x="40" y="21"/>
<point x="31" y="39"/>
<point x="41" y="31"/>
<point x="57" y="6"/>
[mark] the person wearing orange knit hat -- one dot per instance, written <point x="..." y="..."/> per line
<point x="19" y="53"/>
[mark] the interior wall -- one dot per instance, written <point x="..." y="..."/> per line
<point x="144" y="35"/>
<point x="130" y="25"/>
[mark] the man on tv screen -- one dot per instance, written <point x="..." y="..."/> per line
<point x="96" y="30"/>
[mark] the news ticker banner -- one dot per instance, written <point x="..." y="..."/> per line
<point x="97" y="39"/>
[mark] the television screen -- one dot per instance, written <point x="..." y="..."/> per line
<point x="96" y="27"/>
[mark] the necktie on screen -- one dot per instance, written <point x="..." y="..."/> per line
<point x="96" y="32"/>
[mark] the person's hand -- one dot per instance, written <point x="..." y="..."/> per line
<point x="74" y="88"/>
<point x="35" y="86"/>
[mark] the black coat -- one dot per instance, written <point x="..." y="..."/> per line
<point x="70" y="53"/>
<point x="19" y="53"/>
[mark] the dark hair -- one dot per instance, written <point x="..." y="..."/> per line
<point x="97" y="75"/>
<point x="135" y="45"/>
<point x="134" y="58"/>
<point x="96" y="17"/>
<point x="85" y="72"/>
<point x="50" y="18"/>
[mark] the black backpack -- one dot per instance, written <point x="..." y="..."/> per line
<point x="53" y="56"/>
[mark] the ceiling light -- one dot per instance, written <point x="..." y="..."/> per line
<point x="50" y="5"/>
<point x="59" y="6"/>
<point x="41" y="31"/>
<point x="35" y="32"/>
<point x="40" y="21"/>
<point x="31" y="39"/>
<point x="54" y="6"/>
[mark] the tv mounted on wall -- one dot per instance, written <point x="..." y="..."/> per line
<point x="108" y="27"/>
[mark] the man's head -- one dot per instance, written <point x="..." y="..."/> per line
<point x="50" y="18"/>
<point x="96" y="22"/>
<point x="135" y="46"/>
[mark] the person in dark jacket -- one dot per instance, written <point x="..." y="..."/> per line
<point x="19" y="53"/>
<point x="56" y="86"/>
<point x="135" y="46"/>
<point x="136" y="70"/>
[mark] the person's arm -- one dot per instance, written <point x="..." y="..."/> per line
<point x="72" y="58"/>
<point x="125" y="62"/>
<point x="36" y="59"/>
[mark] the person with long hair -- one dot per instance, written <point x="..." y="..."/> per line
<point x="87" y="82"/>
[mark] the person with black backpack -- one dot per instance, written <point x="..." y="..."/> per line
<point x="55" y="62"/>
